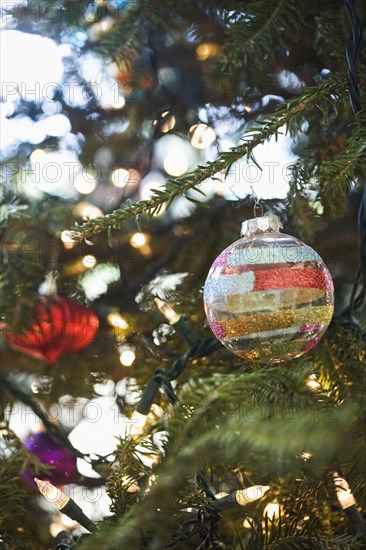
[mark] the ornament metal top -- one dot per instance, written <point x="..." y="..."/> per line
<point x="268" y="296"/>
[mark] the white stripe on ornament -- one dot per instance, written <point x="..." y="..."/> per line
<point x="272" y="254"/>
<point x="222" y="285"/>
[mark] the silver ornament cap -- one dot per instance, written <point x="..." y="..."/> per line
<point x="262" y="224"/>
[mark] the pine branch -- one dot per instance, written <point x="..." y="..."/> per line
<point x="254" y="32"/>
<point x="291" y="114"/>
<point x="337" y="176"/>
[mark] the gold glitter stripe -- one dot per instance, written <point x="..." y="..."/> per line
<point x="263" y="299"/>
<point x="280" y="319"/>
<point x="276" y="349"/>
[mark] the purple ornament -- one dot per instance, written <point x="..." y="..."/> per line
<point x="49" y="452"/>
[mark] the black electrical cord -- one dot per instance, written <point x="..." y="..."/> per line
<point x="353" y="50"/>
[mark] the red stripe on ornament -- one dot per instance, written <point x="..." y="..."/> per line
<point x="238" y="269"/>
<point x="293" y="278"/>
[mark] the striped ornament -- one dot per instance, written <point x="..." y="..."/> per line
<point x="269" y="297"/>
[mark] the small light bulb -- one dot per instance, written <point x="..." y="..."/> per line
<point x="201" y="136"/>
<point x="138" y="239"/>
<point x="165" y="309"/>
<point x="119" y="103"/>
<point x="37" y="155"/>
<point x="207" y="50"/>
<point x="127" y="357"/>
<point x="247" y="523"/>
<point x="272" y="510"/>
<point x="175" y="165"/>
<point x="89" y="261"/>
<point x="245" y="496"/>
<point x="85" y="183"/>
<point x="87" y="211"/>
<point x="137" y="423"/>
<point x="120" y="177"/>
<point x="343" y="491"/>
<point x="67" y="240"/>
<point x="106" y="23"/>
<point x="116" y="320"/>
<point x="51" y="493"/>
<point x="312" y="382"/>
<point x="306" y="456"/>
<point x="168" y="123"/>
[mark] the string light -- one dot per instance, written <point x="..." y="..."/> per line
<point x="272" y="510"/>
<point x="138" y="239"/>
<point x="312" y="382"/>
<point x="116" y="320"/>
<point x="52" y="494"/>
<point x="201" y="136"/>
<point x="67" y="240"/>
<point x="65" y="504"/>
<point x="37" y="155"/>
<point x="138" y="422"/>
<point x="127" y="356"/>
<point x="119" y="103"/>
<point x="247" y="523"/>
<point x="343" y="491"/>
<point x="207" y="50"/>
<point x="306" y="456"/>
<point x="85" y="183"/>
<point x="87" y="211"/>
<point x="141" y="242"/>
<point x="167" y="122"/>
<point x="245" y="496"/>
<point x="120" y="177"/>
<point x="89" y="261"/>
<point x="175" y="165"/>
<point x="165" y="309"/>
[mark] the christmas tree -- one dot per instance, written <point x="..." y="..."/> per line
<point x="138" y="136"/>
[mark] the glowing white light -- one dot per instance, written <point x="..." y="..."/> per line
<point x="67" y="239"/>
<point x="312" y="382"/>
<point x="85" y="183"/>
<point x="37" y="155"/>
<point x="116" y="320"/>
<point x="343" y="491"/>
<point x="272" y="510"/>
<point x="201" y="135"/>
<point x="306" y="456"/>
<point x="120" y="177"/>
<point x="139" y="239"/>
<point x="119" y="103"/>
<point x="175" y="165"/>
<point x="137" y="423"/>
<point x="89" y="261"/>
<point x="87" y="211"/>
<point x="127" y="356"/>
<point x="250" y="494"/>
<point x="247" y="523"/>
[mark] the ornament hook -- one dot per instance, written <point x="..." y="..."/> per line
<point x="257" y="203"/>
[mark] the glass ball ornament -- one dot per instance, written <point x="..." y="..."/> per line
<point x="268" y="296"/>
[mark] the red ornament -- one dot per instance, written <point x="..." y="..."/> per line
<point x="60" y="326"/>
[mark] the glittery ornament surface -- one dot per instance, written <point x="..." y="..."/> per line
<point x="268" y="296"/>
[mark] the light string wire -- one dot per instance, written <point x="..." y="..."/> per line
<point x="353" y="50"/>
